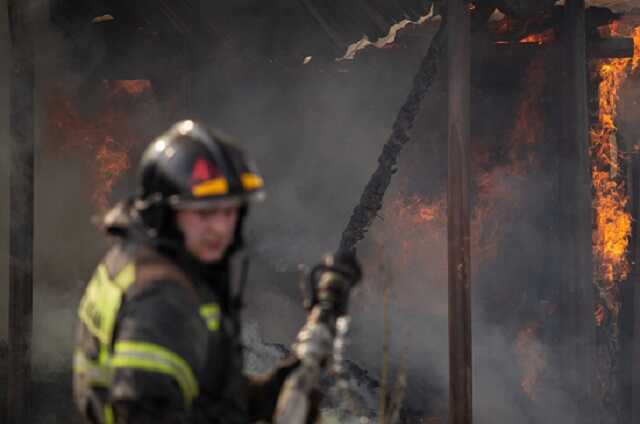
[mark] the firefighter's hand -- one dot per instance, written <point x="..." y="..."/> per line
<point x="314" y="343"/>
<point x="336" y="276"/>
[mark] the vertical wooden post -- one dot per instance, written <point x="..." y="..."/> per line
<point x="628" y="296"/>
<point x="630" y="344"/>
<point x="21" y="213"/>
<point x="635" y="378"/>
<point x="575" y="180"/>
<point x="458" y="227"/>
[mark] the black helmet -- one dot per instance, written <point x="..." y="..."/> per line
<point x="190" y="166"/>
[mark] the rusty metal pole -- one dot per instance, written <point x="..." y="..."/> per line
<point x="577" y="211"/>
<point x="458" y="226"/>
<point x="21" y="213"/>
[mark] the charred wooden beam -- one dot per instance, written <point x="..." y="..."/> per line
<point x="458" y="222"/>
<point x="634" y="392"/>
<point x="371" y="200"/>
<point x="575" y="192"/>
<point x="618" y="47"/>
<point x="629" y="294"/>
<point x="21" y="213"/>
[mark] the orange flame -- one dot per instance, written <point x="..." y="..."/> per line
<point x="130" y="87"/>
<point x="418" y="211"/>
<point x="112" y="159"/>
<point x="104" y="135"/>
<point x="600" y="314"/>
<point x="612" y="221"/>
<point x="541" y="38"/>
<point x="420" y="223"/>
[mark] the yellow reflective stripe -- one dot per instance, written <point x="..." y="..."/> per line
<point x="251" y="181"/>
<point x="155" y="358"/>
<point x="216" y="186"/>
<point x="100" y="304"/>
<point x="211" y="314"/>
<point x="96" y="374"/>
<point x="101" y="301"/>
<point x="126" y="277"/>
<point x="108" y="414"/>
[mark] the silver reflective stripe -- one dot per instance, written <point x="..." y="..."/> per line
<point x="96" y="374"/>
<point x="155" y="358"/>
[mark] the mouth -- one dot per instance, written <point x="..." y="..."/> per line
<point x="214" y="244"/>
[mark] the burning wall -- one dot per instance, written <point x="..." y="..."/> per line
<point x="611" y="166"/>
<point x="613" y="222"/>
<point x="514" y="197"/>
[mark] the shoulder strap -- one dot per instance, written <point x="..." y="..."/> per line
<point x="152" y="268"/>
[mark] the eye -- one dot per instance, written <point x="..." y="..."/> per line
<point x="228" y="212"/>
<point x="205" y="213"/>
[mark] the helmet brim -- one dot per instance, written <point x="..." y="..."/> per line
<point x="179" y="203"/>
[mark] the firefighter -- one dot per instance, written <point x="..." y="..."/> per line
<point x="158" y="338"/>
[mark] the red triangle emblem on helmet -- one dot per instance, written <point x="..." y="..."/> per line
<point x="203" y="171"/>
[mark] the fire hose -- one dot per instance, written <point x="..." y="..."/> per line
<point x="330" y="284"/>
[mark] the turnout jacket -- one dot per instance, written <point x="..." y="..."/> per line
<point x="158" y="341"/>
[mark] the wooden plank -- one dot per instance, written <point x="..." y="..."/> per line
<point x="629" y="294"/>
<point x="21" y="213"/>
<point x="575" y="192"/>
<point x="373" y="194"/>
<point x="458" y="222"/>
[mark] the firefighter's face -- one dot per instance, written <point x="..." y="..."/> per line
<point x="208" y="232"/>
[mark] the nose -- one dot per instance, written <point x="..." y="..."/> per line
<point x="219" y="223"/>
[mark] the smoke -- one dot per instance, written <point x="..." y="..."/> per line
<point x="315" y="131"/>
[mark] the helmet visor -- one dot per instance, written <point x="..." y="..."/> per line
<point x="206" y="203"/>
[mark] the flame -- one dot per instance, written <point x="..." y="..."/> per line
<point x="635" y="63"/>
<point x="419" y="211"/>
<point x="416" y="225"/>
<point x="612" y="221"/>
<point x="112" y="159"/>
<point x="541" y="38"/>
<point x="511" y="30"/>
<point x="104" y="135"/>
<point x="600" y="314"/>
<point x="419" y="223"/>
<point x="531" y="357"/>
<point x="130" y="87"/>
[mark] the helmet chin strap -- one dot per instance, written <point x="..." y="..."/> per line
<point x="239" y="272"/>
<point x="158" y="220"/>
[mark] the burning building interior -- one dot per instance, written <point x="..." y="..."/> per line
<point x="344" y="105"/>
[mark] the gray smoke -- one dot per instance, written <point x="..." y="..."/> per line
<point x="315" y="132"/>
